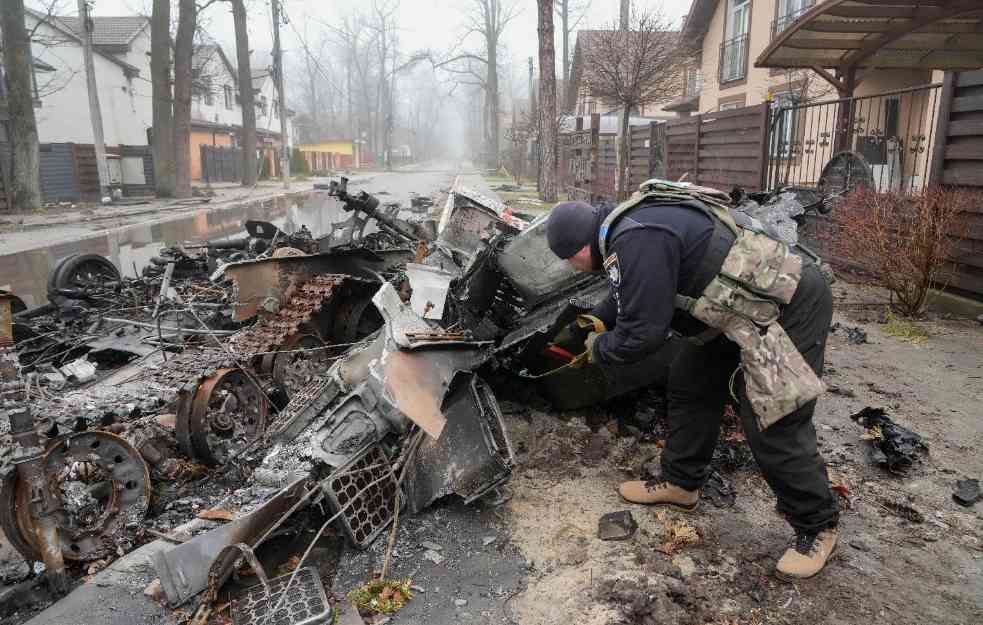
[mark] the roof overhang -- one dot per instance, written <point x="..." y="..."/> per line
<point x="884" y="34"/>
<point x="697" y="20"/>
<point x="685" y="104"/>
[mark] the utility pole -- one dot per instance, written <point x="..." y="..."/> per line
<point x="95" y="112"/>
<point x="278" y="68"/>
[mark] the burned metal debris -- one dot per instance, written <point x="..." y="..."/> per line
<point x="340" y="380"/>
<point x="893" y="446"/>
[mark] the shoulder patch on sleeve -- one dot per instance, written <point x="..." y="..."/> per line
<point x="613" y="269"/>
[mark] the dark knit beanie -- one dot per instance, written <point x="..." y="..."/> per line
<point x="571" y="226"/>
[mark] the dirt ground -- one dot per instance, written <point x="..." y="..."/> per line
<point x="887" y="569"/>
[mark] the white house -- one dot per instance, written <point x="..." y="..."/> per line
<point x="121" y="47"/>
<point x="122" y="66"/>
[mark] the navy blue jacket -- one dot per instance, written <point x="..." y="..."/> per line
<point x="646" y="267"/>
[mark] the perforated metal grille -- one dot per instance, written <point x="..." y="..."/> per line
<point x="367" y="508"/>
<point x="305" y="603"/>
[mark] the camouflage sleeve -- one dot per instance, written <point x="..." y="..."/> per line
<point x="648" y="267"/>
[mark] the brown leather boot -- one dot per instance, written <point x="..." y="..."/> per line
<point x="808" y="556"/>
<point x="661" y="494"/>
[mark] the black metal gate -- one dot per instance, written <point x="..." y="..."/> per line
<point x="893" y="133"/>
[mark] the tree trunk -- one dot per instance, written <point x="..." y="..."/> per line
<point x="163" y="101"/>
<point x="623" y="147"/>
<point x="493" y="107"/>
<point x="24" y="192"/>
<point x="623" y="141"/>
<point x="183" y="48"/>
<point x="246" y="96"/>
<point x="95" y="110"/>
<point x="565" y="19"/>
<point x="547" y="102"/>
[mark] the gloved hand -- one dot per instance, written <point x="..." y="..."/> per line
<point x="595" y="327"/>
<point x="589" y="344"/>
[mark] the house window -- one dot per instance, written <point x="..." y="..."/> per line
<point x="729" y="106"/>
<point x="228" y="97"/>
<point x="694" y="81"/>
<point x="786" y="131"/>
<point x="207" y="86"/>
<point x="734" y="49"/>
<point x="788" y="12"/>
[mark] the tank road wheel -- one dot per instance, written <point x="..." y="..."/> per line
<point x="104" y="487"/>
<point x="227" y="412"/>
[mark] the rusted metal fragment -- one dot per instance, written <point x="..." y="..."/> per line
<point x="6" y="320"/>
<point x="272" y="279"/>
<point x="305" y="300"/>
<point x="184" y="570"/>
<point x="472" y="456"/>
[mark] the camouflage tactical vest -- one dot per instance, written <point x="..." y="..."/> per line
<point x="743" y="301"/>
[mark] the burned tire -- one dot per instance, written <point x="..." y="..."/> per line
<point x="81" y="272"/>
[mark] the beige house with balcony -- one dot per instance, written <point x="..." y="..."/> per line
<point x="890" y="117"/>
<point x="731" y="34"/>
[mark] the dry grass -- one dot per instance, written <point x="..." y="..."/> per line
<point x="904" y="330"/>
<point x="676" y="535"/>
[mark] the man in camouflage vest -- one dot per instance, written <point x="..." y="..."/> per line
<point x="666" y="261"/>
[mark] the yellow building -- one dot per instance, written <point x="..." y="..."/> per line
<point x="334" y="154"/>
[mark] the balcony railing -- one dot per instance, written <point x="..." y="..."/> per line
<point x="733" y="59"/>
<point x="784" y="21"/>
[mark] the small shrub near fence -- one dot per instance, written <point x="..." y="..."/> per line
<point x="903" y="243"/>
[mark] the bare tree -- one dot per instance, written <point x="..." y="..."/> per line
<point x="547" y="102"/>
<point x="634" y="68"/>
<point x="246" y="99"/>
<point x="183" y="52"/>
<point x="488" y="19"/>
<point x="571" y="13"/>
<point x="163" y="101"/>
<point x="25" y="179"/>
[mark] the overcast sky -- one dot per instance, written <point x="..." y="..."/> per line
<point x="433" y="24"/>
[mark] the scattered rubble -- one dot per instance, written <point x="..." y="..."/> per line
<point x="967" y="492"/>
<point x="616" y="526"/>
<point x="854" y="335"/>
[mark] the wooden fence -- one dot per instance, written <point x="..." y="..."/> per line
<point x="579" y="161"/>
<point x="721" y="150"/>
<point x="647" y="157"/>
<point x="221" y="164"/>
<point x="958" y="160"/>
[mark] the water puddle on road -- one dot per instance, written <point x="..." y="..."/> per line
<point x="131" y="247"/>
